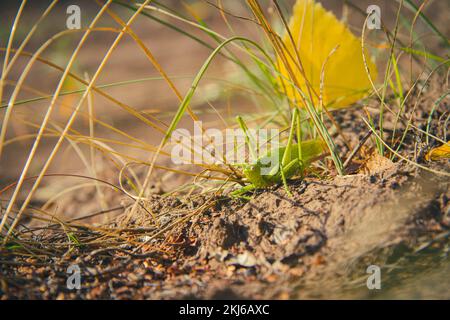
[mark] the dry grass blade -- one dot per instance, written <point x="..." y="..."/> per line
<point x="8" y="51"/>
<point x="46" y="118"/>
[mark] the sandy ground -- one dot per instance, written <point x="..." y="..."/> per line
<point x="317" y="244"/>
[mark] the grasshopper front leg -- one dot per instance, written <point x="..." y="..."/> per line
<point x="240" y="193"/>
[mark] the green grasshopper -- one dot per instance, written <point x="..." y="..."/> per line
<point x="292" y="160"/>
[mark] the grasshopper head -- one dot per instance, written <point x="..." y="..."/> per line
<point x="253" y="173"/>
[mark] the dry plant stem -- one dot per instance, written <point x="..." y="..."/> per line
<point x="124" y="106"/>
<point x="323" y="107"/>
<point x="386" y="77"/>
<point x="442" y="173"/>
<point x="149" y="55"/>
<point x="154" y="62"/>
<point x="47" y="115"/>
<point x="409" y="122"/>
<point x="94" y="142"/>
<point x="90" y="104"/>
<point x="297" y="54"/>
<point x="205" y="29"/>
<point x="411" y="38"/>
<point x="158" y="67"/>
<point x="208" y="204"/>
<point x="275" y="42"/>
<point x="23" y="77"/>
<point x="357" y="148"/>
<point x="383" y="26"/>
<point x="121" y="156"/>
<point x="67" y="190"/>
<point x="89" y="166"/>
<point x="215" y="35"/>
<point x="169" y="81"/>
<point x="223" y="13"/>
<point x="8" y="50"/>
<point x="74" y="114"/>
<point x="382" y="101"/>
<point x="69" y="175"/>
<point x="17" y="52"/>
<point x="381" y="97"/>
<point x="181" y="110"/>
<point x="280" y="50"/>
<point x="88" y="216"/>
<point x="398" y="115"/>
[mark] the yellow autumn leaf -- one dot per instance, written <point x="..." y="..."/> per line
<point x="324" y="42"/>
<point x="442" y="152"/>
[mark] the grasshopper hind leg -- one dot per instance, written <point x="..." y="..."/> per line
<point x="287" y="163"/>
<point x="288" y="171"/>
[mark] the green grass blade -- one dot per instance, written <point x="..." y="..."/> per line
<point x="187" y="99"/>
<point x="410" y="5"/>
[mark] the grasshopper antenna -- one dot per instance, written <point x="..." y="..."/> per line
<point x="248" y="139"/>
